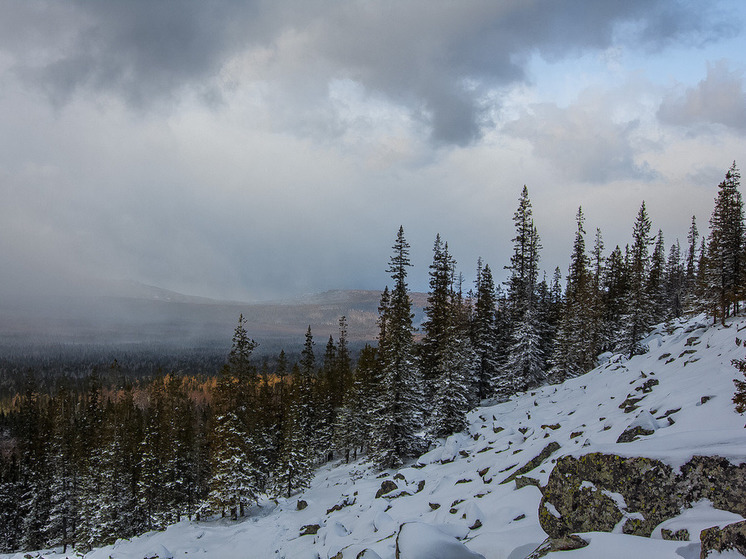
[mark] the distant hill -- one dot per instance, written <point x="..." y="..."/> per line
<point x="140" y="314"/>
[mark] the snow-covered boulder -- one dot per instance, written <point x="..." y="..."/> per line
<point x="417" y="540"/>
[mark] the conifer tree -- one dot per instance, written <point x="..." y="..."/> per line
<point x="638" y="317"/>
<point x="675" y="282"/>
<point x="484" y="332"/>
<point x="526" y="363"/>
<point x="725" y="266"/>
<point x="615" y="287"/>
<point x="294" y="467"/>
<point x="575" y="350"/>
<point x="438" y="314"/>
<point x="397" y="414"/>
<point x="656" y="281"/>
<point x="690" y="280"/>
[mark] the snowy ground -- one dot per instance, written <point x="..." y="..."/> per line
<point x="453" y="495"/>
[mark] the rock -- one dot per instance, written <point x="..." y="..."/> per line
<point x="367" y="554"/>
<point x="597" y="491"/>
<point x="301" y="504"/>
<point x="677" y="536"/>
<point x="633" y="433"/>
<point x="346" y="502"/>
<point x="534" y="462"/>
<point x="309" y="529"/>
<point x="387" y="486"/>
<point x="549" y="545"/>
<point x="732" y="537"/>
<point x="643" y="424"/>
<point x="523" y="481"/>
<point x="434" y="506"/>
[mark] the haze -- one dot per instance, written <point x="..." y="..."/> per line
<point x="257" y="150"/>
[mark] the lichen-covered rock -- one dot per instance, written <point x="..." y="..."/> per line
<point x="557" y="544"/>
<point x="716" y="479"/>
<point x="309" y="529"/>
<point x="732" y="537"/>
<point x="534" y="462"/>
<point x="387" y="486"/>
<point x="633" y="433"/>
<point x="582" y="490"/>
<point x="598" y="491"/>
<point x="677" y="536"/>
<point x="523" y="481"/>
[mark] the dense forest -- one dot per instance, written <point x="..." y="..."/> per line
<point x="83" y="462"/>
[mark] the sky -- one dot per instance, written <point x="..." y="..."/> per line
<point x="265" y="149"/>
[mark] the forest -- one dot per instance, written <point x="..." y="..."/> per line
<point x="84" y="461"/>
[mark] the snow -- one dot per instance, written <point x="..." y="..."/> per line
<point x="422" y="541"/>
<point x="463" y="509"/>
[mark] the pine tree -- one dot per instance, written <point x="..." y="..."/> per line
<point x="294" y="467"/>
<point x="437" y="313"/>
<point x="725" y="251"/>
<point x="576" y="348"/>
<point x="690" y="280"/>
<point x="638" y="317"/>
<point x="615" y="288"/>
<point x="656" y="282"/>
<point x="397" y="414"/>
<point x="484" y="332"/>
<point x="675" y="282"/>
<point x="457" y="364"/>
<point x="526" y="364"/>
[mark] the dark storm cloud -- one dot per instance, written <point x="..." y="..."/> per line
<point x="435" y="58"/>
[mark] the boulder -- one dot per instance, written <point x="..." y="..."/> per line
<point x="417" y="540"/>
<point x="387" y="486"/>
<point x="730" y="538"/>
<point x="597" y="491"/>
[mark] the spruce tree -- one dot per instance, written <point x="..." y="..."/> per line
<point x="484" y="332"/>
<point x="725" y="263"/>
<point x="639" y="316"/>
<point x="576" y="349"/>
<point x="656" y="283"/>
<point x="398" y="409"/>
<point x="526" y="363"/>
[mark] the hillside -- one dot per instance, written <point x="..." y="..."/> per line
<point x="463" y="494"/>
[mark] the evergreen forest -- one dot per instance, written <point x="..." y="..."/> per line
<point x="84" y="462"/>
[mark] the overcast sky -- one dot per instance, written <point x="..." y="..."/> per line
<point x="254" y="150"/>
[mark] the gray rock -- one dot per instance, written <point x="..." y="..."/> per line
<point x="648" y="487"/>
<point x="732" y="537"/>
<point x="387" y="486"/>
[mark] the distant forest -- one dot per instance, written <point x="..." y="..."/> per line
<point x="88" y="459"/>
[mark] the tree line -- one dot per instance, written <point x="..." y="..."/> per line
<point x="84" y="467"/>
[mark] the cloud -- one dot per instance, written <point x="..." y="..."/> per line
<point x="436" y="58"/>
<point x="718" y="99"/>
<point x="583" y="141"/>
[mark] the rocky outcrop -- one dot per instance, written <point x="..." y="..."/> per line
<point x="732" y="537"/>
<point x="597" y="491"/>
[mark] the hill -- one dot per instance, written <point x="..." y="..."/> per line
<point x="131" y="314"/>
<point x="480" y="491"/>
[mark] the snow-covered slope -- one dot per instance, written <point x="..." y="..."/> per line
<point x="454" y="496"/>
